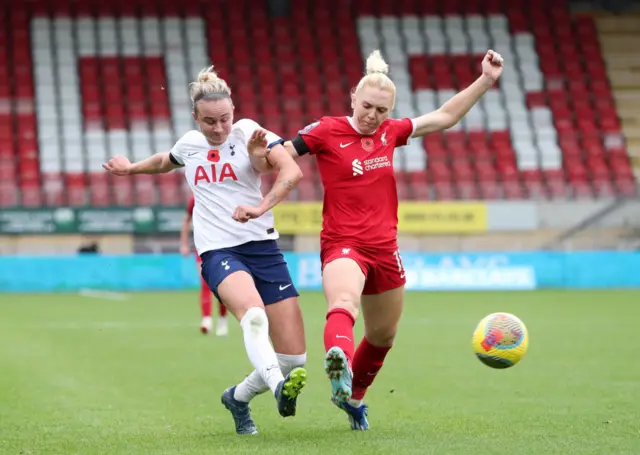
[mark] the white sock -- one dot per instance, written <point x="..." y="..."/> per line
<point x="253" y="385"/>
<point x="255" y="328"/>
<point x="355" y="403"/>
<point x="288" y="362"/>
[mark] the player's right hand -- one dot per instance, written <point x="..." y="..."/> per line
<point x="257" y="145"/>
<point x="185" y="250"/>
<point x="118" y="165"/>
<point x="244" y="213"/>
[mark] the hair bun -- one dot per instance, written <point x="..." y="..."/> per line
<point x="376" y="64"/>
<point x="207" y="75"/>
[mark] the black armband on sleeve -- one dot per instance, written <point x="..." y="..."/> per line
<point x="300" y="145"/>
<point x="173" y="160"/>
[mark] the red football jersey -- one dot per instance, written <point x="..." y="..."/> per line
<point x="360" y="195"/>
<point x="192" y="203"/>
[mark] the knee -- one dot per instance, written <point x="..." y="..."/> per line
<point x="347" y="301"/>
<point x="255" y="320"/>
<point x="381" y="336"/>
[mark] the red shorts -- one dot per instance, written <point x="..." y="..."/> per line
<point x="382" y="268"/>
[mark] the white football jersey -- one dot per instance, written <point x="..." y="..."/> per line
<point x="222" y="178"/>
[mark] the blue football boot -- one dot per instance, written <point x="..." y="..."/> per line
<point x="240" y="412"/>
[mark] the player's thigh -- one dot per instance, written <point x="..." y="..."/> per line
<point x="383" y="297"/>
<point x="343" y="280"/>
<point x="387" y="271"/>
<point x="382" y="314"/>
<point x="286" y="326"/>
<point x="270" y="272"/>
<point x="239" y="293"/>
<point x="231" y="282"/>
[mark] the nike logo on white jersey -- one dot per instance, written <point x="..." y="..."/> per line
<point x="282" y="288"/>
<point x="345" y="145"/>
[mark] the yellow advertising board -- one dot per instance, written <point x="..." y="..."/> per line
<point x="442" y="217"/>
<point x="298" y="217"/>
<point x="413" y="217"/>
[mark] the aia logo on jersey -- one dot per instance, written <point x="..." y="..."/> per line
<point x="214" y="173"/>
<point x="213" y="156"/>
<point x="367" y="144"/>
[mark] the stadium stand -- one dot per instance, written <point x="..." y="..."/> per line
<point x="620" y="39"/>
<point x="83" y="81"/>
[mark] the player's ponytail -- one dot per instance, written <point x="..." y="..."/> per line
<point x="208" y="86"/>
<point x="377" y="71"/>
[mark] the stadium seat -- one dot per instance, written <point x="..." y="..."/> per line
<point x="117" y="84"/>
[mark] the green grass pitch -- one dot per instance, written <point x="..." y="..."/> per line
<point x="88" y="376"/>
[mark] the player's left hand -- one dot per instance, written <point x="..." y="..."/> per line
<point x="257" y="144"/>
<point x="244" y="213"/>
<point x="492" y="65"/>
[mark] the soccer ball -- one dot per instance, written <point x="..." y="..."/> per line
<point x="500" y="340"/>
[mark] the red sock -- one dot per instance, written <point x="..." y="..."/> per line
<point x="222" y="310"/>
<point x="338" y="331"/>
<point x="367" y="361"/>
<point x="205" y="298"/>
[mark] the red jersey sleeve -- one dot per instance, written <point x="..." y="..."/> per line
<point x="192" y="203"/>
<point x="312" y="138"/>
<point x="404" y="129"/>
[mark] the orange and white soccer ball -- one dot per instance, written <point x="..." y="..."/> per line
<point x="500" y="340"/>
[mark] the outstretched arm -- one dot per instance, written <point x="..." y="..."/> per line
<point x="159" y="163"/>
<point x="451" y="112"/>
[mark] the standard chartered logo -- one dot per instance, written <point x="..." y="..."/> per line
<point x="357" y="167"/>
<point x="376" y="163"/>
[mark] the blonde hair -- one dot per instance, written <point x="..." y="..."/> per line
<point x="376" y="75"/>
<point x="208" y="86"/>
